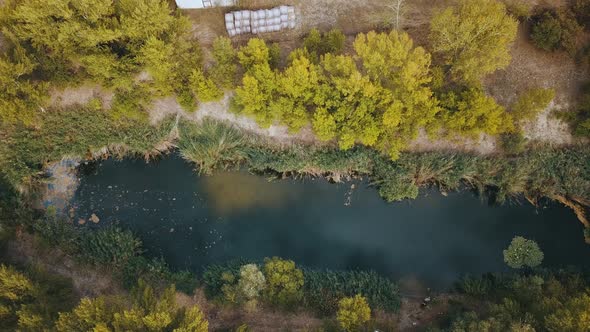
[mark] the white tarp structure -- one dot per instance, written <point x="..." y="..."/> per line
<point x="198" y="4"/>
<point x="259" y="21"/>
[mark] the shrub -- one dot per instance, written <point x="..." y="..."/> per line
<point x="531" y="103"/>
<point x="323" y="289"/>
<point x="513" y="143"/>
<point x="213" y="276"/>
<point x="522" y="252"/>
<point x="556" y="30"/>
<point x="110" y="245"/>
<point x="353" y="312"/>
<point x="212" y="145"/>
<point x="520" y="9"/>
<point x="547" y="32"/>
<point x="284" y="282"/>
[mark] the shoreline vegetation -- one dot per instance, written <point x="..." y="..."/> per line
<point x="365" y="97"/>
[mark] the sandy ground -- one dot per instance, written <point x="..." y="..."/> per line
<point x="164" y="107"/>
<point x="80" y="95"/>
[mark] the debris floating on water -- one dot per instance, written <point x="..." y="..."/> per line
<point x="94" y="218"/>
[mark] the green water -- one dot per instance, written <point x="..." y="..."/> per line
<point x="193" y="221"/>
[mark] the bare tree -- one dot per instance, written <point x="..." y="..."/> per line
<point x="398" y="8"/>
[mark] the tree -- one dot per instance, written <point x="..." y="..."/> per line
<point x="353" y="312"/>
<point x="348" y="101"/>
<point x="20" y="97"/>
<point x="284" y="281"/>
<point x="473" y="38"/>
<point x="473" y="112"/>
<point x="224" y="70"/>
<point x="392" y="61"/>
<point x="89" y="314"/>
<point x="14" y="286"/>
<point x="546" y="32"/>
<point x="531" y="103"/>
<point x="204" y="87"/>
<point x="522" y="252"/>
<point x="572" y="316"/>
<point x="317" y="44"/>
<point x="251" y="282"/>
<point x="256" y="52"/>
<point x="193" y="321"/>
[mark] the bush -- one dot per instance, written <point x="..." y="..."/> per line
<point x="109" y="246"/>
<point x="522" y="252"/>
<point x="513" y="143"/>
<point x="557" y="30"/>
<point x="520" y="9"/>
<point x="353" y="312"/>
<point x="156" y="272"/>
<point x="530" y="103"/>
<point x="284" y="282"/>
<point x="213" y="276"/>
<point x="323" y="289"/>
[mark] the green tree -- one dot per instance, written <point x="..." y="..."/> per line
<point x="522" y="252"/>
<point x="224" y="70"/>
<point x="20" y="97"/>
<point x="256" y="52"/>
<point x="297" y="86"/>
<point x="317" y="44"/>
<point x="392" y="61"/>
<point x="193" y="321"/>
<point x="572" y="316"/>
<point x="353" y="312"/>
<point x="14" y="286"/>
<point x="348" y="101"/>
<point x="258" y="91"/>
<point x="203" y="87"/>
<point x="546" y="32"/>
<point x="474" y="37"/>
<point x="284" y="281"/>
<point x="473" y="112"/>
<point x="88" y="315"/>
<point x="529" y="104"/>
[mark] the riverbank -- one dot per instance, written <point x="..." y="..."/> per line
<point x="82" y="133"/>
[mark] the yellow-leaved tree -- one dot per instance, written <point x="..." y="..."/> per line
<point x="473" y="37"/>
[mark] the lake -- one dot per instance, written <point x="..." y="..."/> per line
<point x="193" y="221"/>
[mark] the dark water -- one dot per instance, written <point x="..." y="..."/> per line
<point x="193" y="221"/>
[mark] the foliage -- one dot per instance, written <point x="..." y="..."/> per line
<point x="323" y="289"/>
<point x="204" y="88"/>
<point x="318" y="44"/>
<point x="20" y="96"/>
<point x="75" y="132"/>
<point x="513" y="143"/>
<point x="520" y="9"/>
<point x="523" y="253"/>
<point x="546" y="32"/>
<point x="554" y="30"/>
<point x="110" y="245"/>
<point x="353" y="312"/>
<point x="30" y="300"/>
<point x="473" y="112"/>
<point x="224" y="70"/>
<point x="211" y="146"/>
<point x="251" y="282"/>
<point x="473" y="37"/>
<point x="284" y="281"/>
<point x="530" y="103"/>
<point x="546" y="301"/>
<point x="145" y="310"/>
<point x="156" y="272"/>
<point x="214" y="279"/>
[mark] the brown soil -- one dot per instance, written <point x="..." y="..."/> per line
<point x="80" y="95"/>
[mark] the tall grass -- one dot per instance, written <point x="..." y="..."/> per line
<point x="212" y="146"/>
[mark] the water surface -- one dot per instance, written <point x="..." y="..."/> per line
<point x="193" y="221"/>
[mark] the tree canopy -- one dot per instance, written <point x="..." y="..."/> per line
<point x="523" y="253"/>
<point x="473" y="38"/>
